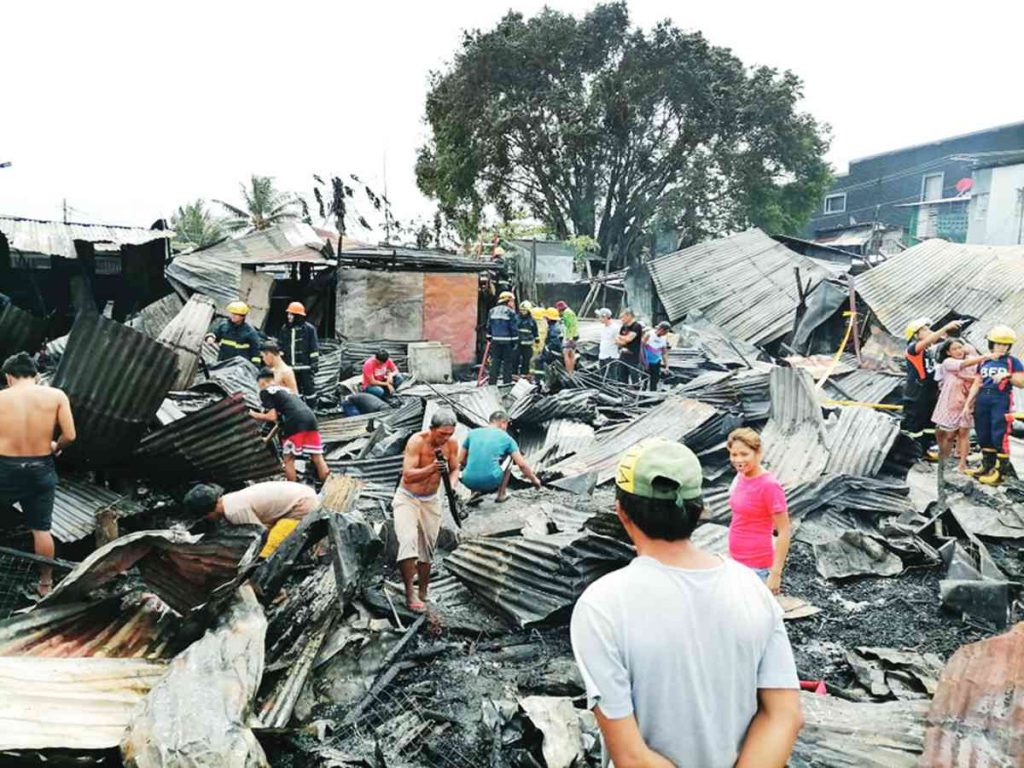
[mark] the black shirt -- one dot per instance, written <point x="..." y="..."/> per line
<point x="292" y="413"/>
<point x="632" y="349"/>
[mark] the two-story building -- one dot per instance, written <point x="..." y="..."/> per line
<point x="913" y="193"/>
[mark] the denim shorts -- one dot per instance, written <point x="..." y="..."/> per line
<point x="762" y="573"/>
<point x="30" y="481"/>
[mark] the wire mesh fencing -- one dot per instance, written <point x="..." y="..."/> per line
<point x="19" y="575"/>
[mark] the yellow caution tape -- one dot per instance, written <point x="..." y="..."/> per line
<point x="879" y="406"/>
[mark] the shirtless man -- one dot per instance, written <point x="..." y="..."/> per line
<point x="30" y="414"/>
<point x="284" y="376"/>
<point x="417" y="505"/>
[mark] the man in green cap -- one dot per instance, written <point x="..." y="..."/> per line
<point x="682" y="636"/>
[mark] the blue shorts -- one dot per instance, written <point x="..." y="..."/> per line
<point x="32" y="482"/>
<point x="762" y="573"/>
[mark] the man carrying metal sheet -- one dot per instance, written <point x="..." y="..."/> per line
<point x="30" y="415"/>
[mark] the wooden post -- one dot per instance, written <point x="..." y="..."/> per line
<point x="854" y="319"/>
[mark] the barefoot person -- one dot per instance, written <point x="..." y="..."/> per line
<point x="487" y="456"/>
<point x="417" y="506"/>
<point x="30" y="414"/>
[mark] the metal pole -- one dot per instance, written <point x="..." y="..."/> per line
<point x="854" y="319"/>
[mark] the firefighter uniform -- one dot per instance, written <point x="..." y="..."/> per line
<point x="300" y="348"/>
<point x="239" y="340"/>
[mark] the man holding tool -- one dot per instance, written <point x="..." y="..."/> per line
<point x="416" y="506"/>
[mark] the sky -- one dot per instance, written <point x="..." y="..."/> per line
<point x="126" y="110"/>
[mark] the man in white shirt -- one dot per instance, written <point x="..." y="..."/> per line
<point x="684" y="655"/>
<point x="608" y="350"/>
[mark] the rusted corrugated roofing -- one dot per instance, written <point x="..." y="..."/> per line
<point x="116" y="378"/>
<point x="977" y="714"/>
<point x="153" y="318"/>
<point x="531" y="580"/>
<point x="139" y="628"/>
<point x="20" y="331"/>
<point x="672" y="419"/>
<point x="234" y="376"/>
<point x="937" y="278"/>
<point x="182" y="569"/>
<point x="743" y="283"/>
<point x="220" y="442"/>
<point x="217" y="271"/>
<point x="70" y="703"/>
<point x="56" y="238"/>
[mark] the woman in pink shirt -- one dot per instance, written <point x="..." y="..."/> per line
<point x="758" y="509"/>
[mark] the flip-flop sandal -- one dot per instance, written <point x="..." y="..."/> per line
<point x="416" y="606"/>
<point x="503" y="499"/>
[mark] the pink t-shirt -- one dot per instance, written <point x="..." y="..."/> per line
<point x="374" y="369"/>
<point x="754" y="503"/>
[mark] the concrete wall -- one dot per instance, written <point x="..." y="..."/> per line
<point x="995" y="212"/>
<point x="410" y="306"/>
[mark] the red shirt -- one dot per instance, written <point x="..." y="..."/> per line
<point x="754" y="501"/>
<point x="374" y="369"/>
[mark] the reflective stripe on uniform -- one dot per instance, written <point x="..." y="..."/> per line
<point x="236" y="344"/>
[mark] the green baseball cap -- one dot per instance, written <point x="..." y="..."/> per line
<point x="660" y="469"/>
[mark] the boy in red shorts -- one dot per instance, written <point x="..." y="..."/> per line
<point x="300" y="435"/>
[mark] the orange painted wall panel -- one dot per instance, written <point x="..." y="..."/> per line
<point x="449" y="312"/>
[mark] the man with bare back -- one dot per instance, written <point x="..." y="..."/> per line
<point x="30" y="415"/>
<point x="417" y="505"/>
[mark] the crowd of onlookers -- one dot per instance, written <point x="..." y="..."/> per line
<point x="524" y="340"/>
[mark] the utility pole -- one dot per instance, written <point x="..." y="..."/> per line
<point x="387" y="203"/>
<point x="1020" y="214"/>
<point x="65" y="210"/>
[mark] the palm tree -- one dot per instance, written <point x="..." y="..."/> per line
<point x="195" y="227"/>
<point x="264" y="206"/>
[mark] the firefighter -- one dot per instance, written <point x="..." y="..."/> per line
<point x="301" y="349"/>
<point x="503" y="333"/>
<point x="920" y="391"/>
<point x="235" y="337"/>
<point x="991" y="397"/>
<point x="528" y="334"/>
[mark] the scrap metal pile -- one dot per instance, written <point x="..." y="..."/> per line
<point x="175" y="642"/>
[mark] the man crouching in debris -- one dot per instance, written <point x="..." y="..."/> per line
<point x="259" y="504"/>
<point x="683" y="653"/>
<point x="417" y="505"/>
<point x="487" y="456"/>
<point x="300" y="434"/>
<point x="29" y="416"/>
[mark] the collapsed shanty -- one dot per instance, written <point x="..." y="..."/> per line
<point x="168" y="641"/>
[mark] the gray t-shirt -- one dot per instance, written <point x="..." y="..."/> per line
<point x="685" y="652"/>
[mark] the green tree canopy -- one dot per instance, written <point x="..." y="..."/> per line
<point x="263" y="206"/>
<point x="601" y="129"/>
<point x="195" y="227"/>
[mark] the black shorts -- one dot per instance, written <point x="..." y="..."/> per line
<point x="30" y="481"/>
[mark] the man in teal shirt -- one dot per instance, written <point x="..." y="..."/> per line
<point x="485" y="457"/>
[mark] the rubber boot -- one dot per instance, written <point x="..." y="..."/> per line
<point x="988" y="464"/>
<point x="1001" y="470"/>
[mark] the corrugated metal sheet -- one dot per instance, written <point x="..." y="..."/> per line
<point x="71" y="703"/>
<point x="864" y="386"/>
<point x="328" y="374"/>
<point x="384" y="472"/>
<point x="794" y="437"/>
<point x="977" y="715"/>
<point x="673" y="419"/>
<point x="216" y="271"/>
<point x="562" y="438"/>
<point x="153" y="318"/>
<point x="116" y="379"/>
<point x="141" y="627"/>
<point x="936" y="278"/>
<point x="531" y="580"/>
<point x="55" y="238"/>
<point x="20" y="331"/>
<point x="743" y="283"/>
<point x="183" y="570"/>
<point x="391" y="259"/>
<point x="220" y="442"/>
<point x="236" y="376"/>
<point x="76" y="504"/>
<point x="859" y="440"/>
<point x="476" y="404"/>
<point x="345" y="428"/>
<point x="744" y="392"/>
<point x="184" y="334"/>
<point x="578" y="404"/>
